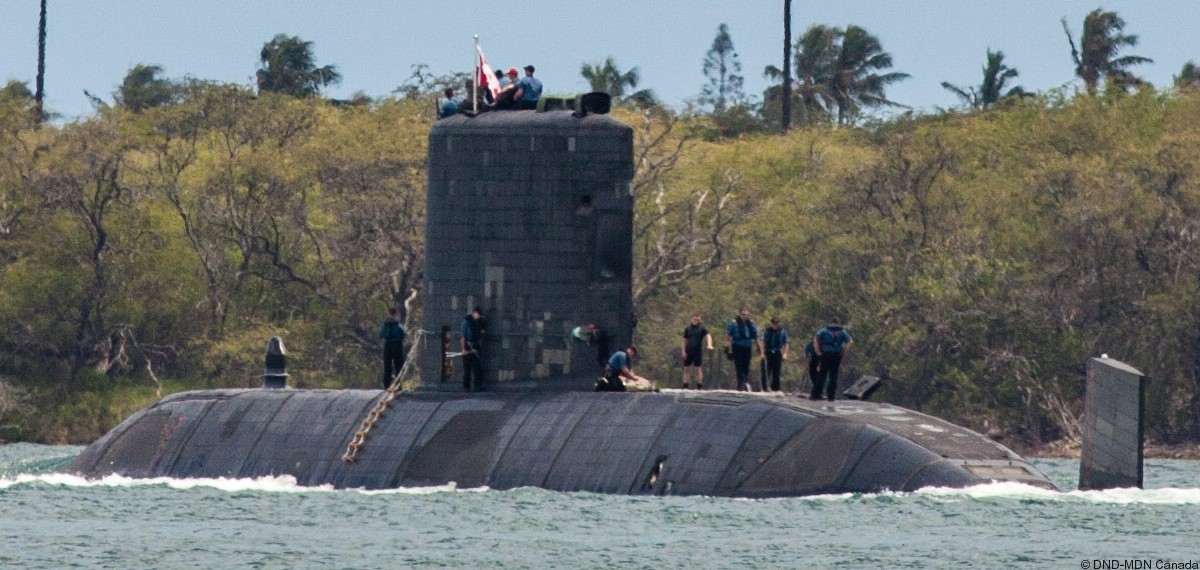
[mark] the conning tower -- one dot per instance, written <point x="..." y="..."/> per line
<point x="530" y="217"/>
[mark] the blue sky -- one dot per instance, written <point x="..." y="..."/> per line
<point x="374" y="43"/>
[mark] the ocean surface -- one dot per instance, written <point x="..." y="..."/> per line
<point x="52" y="520"/>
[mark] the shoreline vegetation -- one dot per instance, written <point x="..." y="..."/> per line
<point x="1059" y="449"/>
<point x="978" y="258"/>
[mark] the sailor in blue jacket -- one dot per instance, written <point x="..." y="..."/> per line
<point x="742" y="334"/>
<point x="831" y="344"/>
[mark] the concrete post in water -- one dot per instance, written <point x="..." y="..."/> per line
<point x="275" y="373"/>
<point x="1113" y="426"/>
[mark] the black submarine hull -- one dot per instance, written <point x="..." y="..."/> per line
<point x="686" y="443"/>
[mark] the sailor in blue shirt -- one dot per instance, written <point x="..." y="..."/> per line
<point x="620" y="364"/>
<point x="529" y="90"/>
<point x="830" y="344"/>
<point x="449" y="106"/>
<point x="742" y="334"/>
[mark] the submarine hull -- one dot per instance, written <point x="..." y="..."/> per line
<point x="688" y="443"/>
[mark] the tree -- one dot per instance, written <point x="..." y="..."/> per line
<point x="84" y="183"/>
<point x="1189" y="76"/>
<point x="723" y="70"/>
<point x="1096" y="57"/>
<point x="786" y="115"/>
<point x="855" y="82"/>
<point x="815" y="55"/>
<point x="288" y="66"/>
<point x="995" y="76"/>
<point x="423" y="85"/>
<point x="39" y="94"/>
<point x="16" y="90"/>
<point x="143" y="89"/>
<point x="607" y="78"/>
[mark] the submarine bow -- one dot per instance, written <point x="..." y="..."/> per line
<point x="717" y="444"/>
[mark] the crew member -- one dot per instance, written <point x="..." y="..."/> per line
<point x="742" y="335"/>
<point x="528" y="91"/>
<point x="449" y="106"/>
<point x="505" y="99"/>
<point x="831" y="344"/>
<point x="473" y="329"/>
<point x="814" y="363"/>
<point x="695" y="337"/>
<point x="620" y="365"/>
<point x="775" y="351"/>
<point x="392" y="332"/>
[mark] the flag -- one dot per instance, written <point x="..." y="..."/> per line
<point x="485" y="78"/>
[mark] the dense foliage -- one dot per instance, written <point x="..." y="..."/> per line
<point x="978" y="259"/>
<point x="171" y="243"/>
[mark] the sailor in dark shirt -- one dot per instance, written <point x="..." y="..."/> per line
<point x="775" y="350"/>
<point x="392" y="333"/>
<point x="695" y="338"/>
<point x="473" y="329"/>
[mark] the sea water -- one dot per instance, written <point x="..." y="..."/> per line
<point x="53" y="520"/>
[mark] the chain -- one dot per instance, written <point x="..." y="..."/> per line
<point x="360" y="437"/>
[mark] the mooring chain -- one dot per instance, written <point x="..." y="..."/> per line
<point x="360" y="437"/>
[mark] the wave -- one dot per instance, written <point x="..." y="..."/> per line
<point x="268" y="484"/>
<point x="1000" y="491"/>
<point x="1022" y="492"/>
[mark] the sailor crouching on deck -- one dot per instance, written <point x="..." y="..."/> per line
<point x="620" y="366"/>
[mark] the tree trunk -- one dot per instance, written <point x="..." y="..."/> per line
<point x="39" y="94"/>
<point x="787" y="66"/>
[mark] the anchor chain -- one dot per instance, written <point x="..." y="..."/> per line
<point x="360" y="437"/>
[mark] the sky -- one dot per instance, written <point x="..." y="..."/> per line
<point x="375" y="43"/>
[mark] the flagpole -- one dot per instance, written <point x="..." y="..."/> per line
<point x="475" y="80"/>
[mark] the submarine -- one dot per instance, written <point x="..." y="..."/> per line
<point x="530" y="219"/>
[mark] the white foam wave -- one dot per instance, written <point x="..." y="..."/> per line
<point x="1020" y="491"/>
<point x="269" y="484"/>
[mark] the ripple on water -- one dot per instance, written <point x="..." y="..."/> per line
<point x="51" y="520"/>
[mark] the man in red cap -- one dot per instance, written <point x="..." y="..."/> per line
<point x="505" y="99"/>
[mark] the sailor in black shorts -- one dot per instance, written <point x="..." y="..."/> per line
<point x="695" y="338"/>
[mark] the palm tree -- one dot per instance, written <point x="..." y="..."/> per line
<point x="855" y="82"/>
<point x="1100" y="42"/>
<point x="1189" y="77"/>
<point x="995" y="75"/>
<point x="39" y="94"/>
<point x="288" y="66"/>
<point x="608" y="78"/>
<point x="816" y="52"/>
<point x="787" y="66"/>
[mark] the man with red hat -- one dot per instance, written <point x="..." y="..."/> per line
<point x="505" y="99"/>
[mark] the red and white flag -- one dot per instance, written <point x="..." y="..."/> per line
<point x="485" y="78"/>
